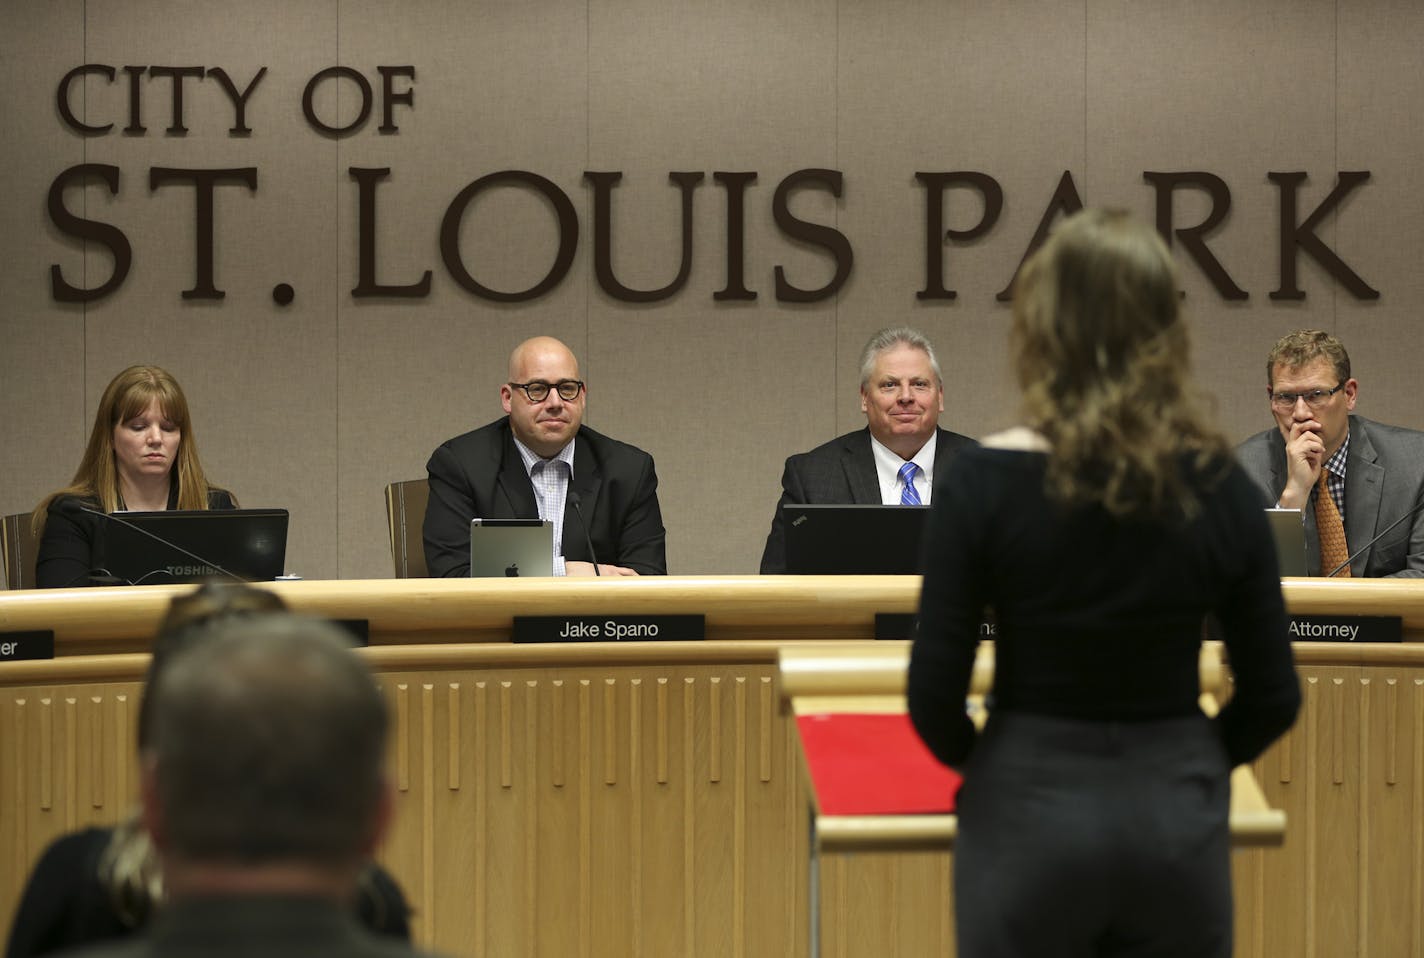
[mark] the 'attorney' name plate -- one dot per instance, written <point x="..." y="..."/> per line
<point x="1346" y="628"/>
<point x="610" y="628"/>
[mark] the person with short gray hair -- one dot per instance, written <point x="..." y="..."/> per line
<point x="892" y="461"/>
<point x="264" y="789"/>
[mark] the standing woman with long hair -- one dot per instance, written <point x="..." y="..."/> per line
<point x="1099" y="535"/>
<point x="142" y="456"/>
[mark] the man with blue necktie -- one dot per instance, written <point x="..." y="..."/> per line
<point x="893" y="460"/>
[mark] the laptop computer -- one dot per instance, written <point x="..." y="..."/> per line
<point x="193" y="545"/>
<point x="1289" y="532"/>
<point x="511" y="548"/>
<point x="845" y="539"/>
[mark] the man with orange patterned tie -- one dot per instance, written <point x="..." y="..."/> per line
<point x="1352" y="478"/>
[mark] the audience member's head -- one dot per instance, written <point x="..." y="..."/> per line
<point x="264" y="765"/>
<point x="901" y="389"/>
<point x="1103" y="362"/>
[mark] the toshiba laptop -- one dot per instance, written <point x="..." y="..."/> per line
<point x="193" y="545"/>
<point x="1289" y="532"/>
<point x="511" y="547"/>
<point x="845" y="539"/>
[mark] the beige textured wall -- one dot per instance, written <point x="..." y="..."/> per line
<point x="316" y="406"/>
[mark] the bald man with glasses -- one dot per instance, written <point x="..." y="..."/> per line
<point x="541" y="462"/>
<point x="1352" y="478"/>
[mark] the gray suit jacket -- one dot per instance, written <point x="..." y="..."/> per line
<point x="1384" y="479"/>
<point x="842" y="470"/>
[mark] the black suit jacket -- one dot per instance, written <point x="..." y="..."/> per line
<point x="1384" y="479"/>
<point x="842" y="470"/>
<point x="480" y="475"/>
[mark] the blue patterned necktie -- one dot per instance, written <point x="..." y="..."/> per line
<point x="908" y="496"/>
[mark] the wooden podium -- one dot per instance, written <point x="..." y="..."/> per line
<point x="894" y="858"/>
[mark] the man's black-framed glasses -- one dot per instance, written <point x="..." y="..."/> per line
<point x="1315" y="398"/>
<point x="537" y="390"/>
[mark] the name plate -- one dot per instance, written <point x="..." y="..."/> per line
<point x="15" y="646"/>
<point x="902" y="625"/>
<point x="1346" y="628"/>
<point x="610" y="628"/>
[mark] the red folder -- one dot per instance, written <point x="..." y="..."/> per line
<point x="874" y="764"/>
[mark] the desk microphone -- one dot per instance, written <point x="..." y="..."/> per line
<point x="573" y="500"/>
<point x="72" y="507"/>
<point x="1419" y="504"/>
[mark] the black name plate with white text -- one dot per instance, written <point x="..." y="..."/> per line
<point x="15" y="646"/>
<point x="610" y="628"/>
<point x="1346" y="628"/>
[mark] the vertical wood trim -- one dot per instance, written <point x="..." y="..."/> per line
<point x="635" y="803"/>
<point x="585" y="778"/>
<point x="403" y="736"/>
<point x="556" y="734"/>
<point x="46" y="754"/>
<point x="506" y="760"/>
<point x="661" y="720"/>
<point x="1363" y="890"/>
<point x="689" y="822"/>
<point x="766" y="718"/>
<point x="714" y="728"/>
<point x="1418" y="819"/>
<point x="610" y="732"/>
<point x="123" y="748"/>
<point x="96" y="751"/>
<point x="530" y="753"/>
<point x="1337" y="731"/>
<point x="480" y="770"/>
<point x="1312" y="699"/>
<point x="427" y="806"/>
<point x="453" y="738"/>
<point x="739" y="822"/>
<point x="71" y="763"/>
<point x="1391" y="731"/>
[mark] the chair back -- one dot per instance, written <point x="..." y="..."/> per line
<point x="405" y="514"/>
<point x="19" y="547"/>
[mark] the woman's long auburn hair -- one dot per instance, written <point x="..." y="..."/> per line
<point x="127" y="396"/>
<point x="1102" y="358"/>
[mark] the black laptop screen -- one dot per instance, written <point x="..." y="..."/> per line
<point x="251" y="544"/>
<point x="853" y="539"/>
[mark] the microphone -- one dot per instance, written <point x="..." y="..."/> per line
<point x="72" y="507"/>
<point x="574" y="500"/>
<point x="1418" y="504"/>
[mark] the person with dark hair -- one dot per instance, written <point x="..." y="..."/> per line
<point x="1099" y="534"/>
<point x="894" y="459"/>
<point x="265" y="793"/>
<point x="1373" y="472"/>
<point x="102" y="883"/>
<point x="142" y="455"/>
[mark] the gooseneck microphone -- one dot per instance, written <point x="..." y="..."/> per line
<point x="1418" y="504"/>
<point x="574" y="500"/>
<point x="72" y="507"/>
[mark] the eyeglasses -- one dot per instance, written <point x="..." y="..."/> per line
<point x="1315" y="398"/>
<point x="537" y="390"/>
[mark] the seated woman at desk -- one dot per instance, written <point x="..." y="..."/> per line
<point x="1093" y="819"/>
<point x="141" y="456"/>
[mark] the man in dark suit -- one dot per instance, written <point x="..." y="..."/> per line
<point x="541" y="462"/>
<point x="894" y="459"/>
<point x="264" y="790"/>
<point x="1374" y="472"/>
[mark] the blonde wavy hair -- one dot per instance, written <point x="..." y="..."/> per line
<point x="127" y="396"/>
<point x="1102" y="357"/>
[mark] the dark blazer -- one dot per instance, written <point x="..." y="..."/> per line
<point x="1384" y="479"/>
<point x="480" y="475"/>
<point x="70" y="542"/>
<point x="842" y="470"/>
